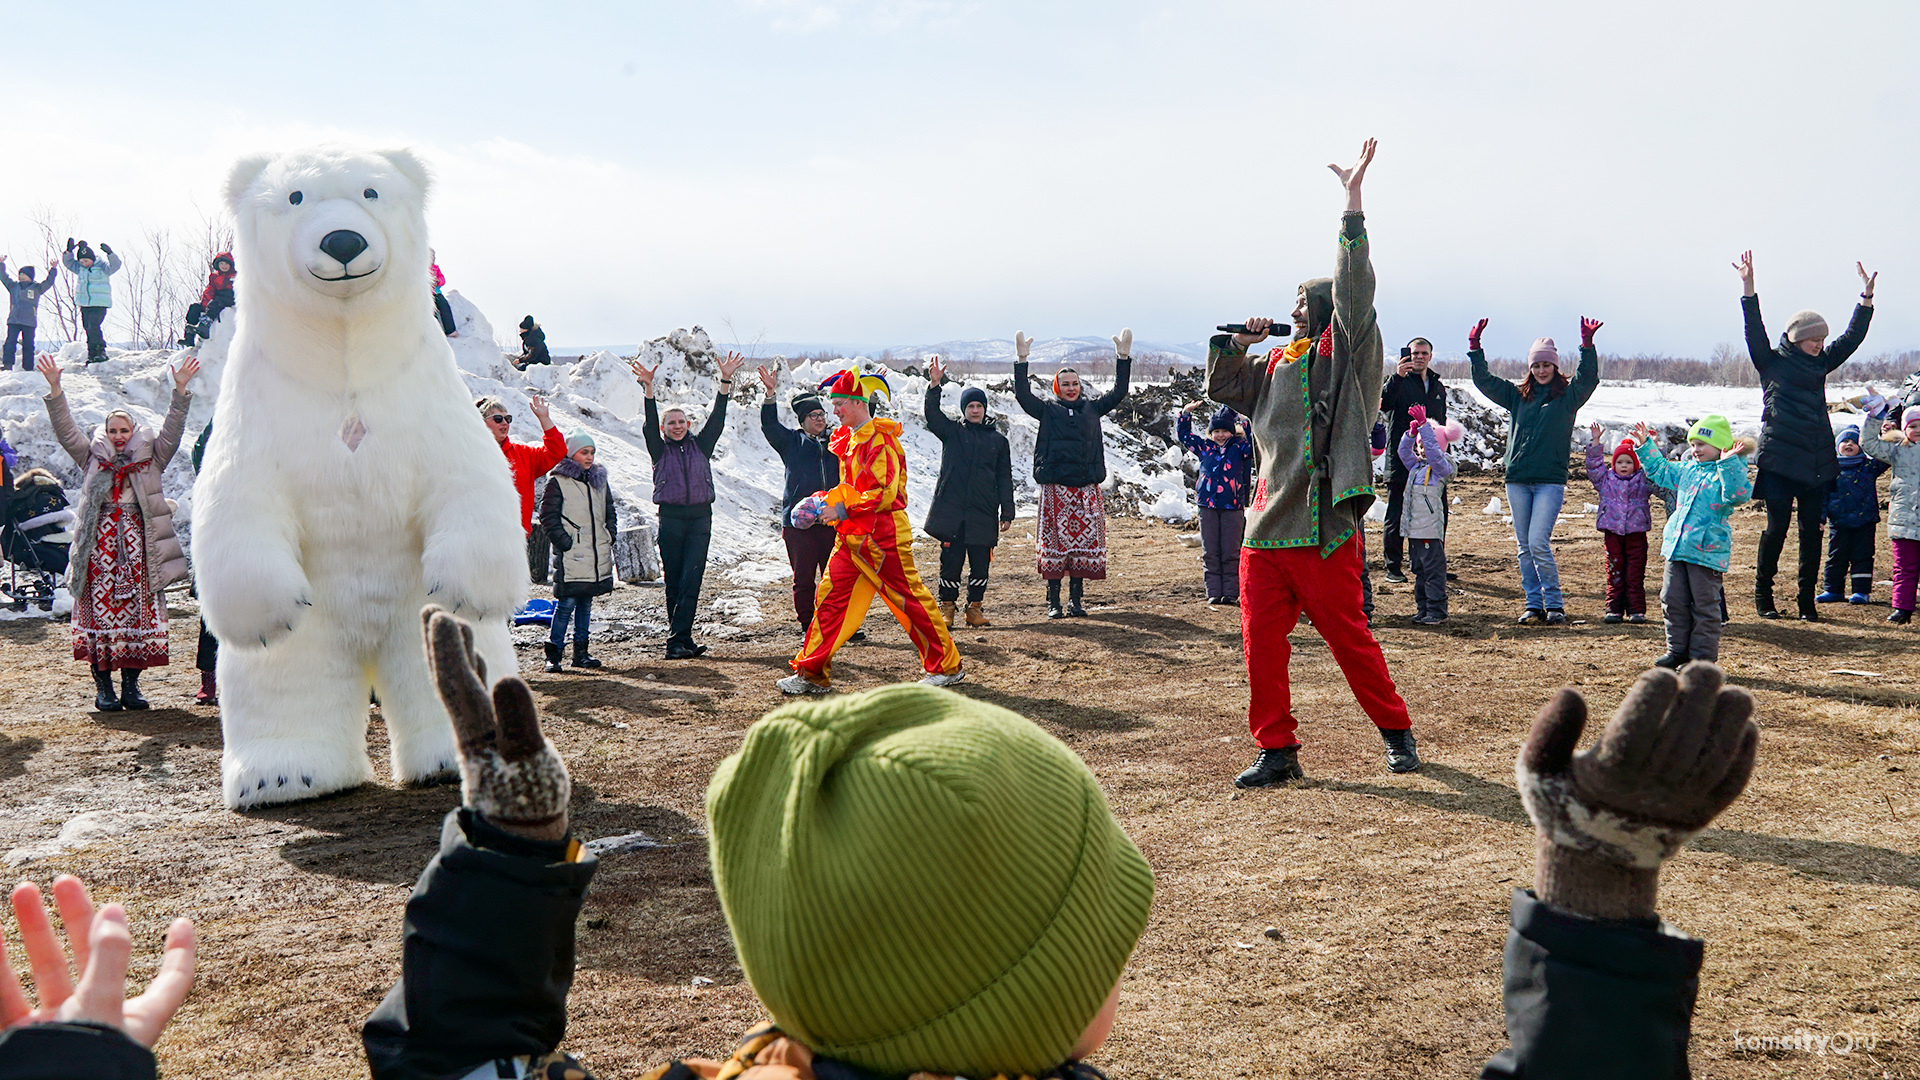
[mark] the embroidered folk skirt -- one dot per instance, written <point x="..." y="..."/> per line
<point x="1073" y="532"/>
<point x="120" y="622"/>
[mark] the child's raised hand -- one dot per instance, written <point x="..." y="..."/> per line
<point x="1596" y="430"/>
<point x="1742" y="446"/>
<point x="1643" y="431"/>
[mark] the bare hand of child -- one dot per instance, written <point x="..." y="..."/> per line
<point x="1643" y="431"/>
<point x="1743" y="446"/>
<point x="1596" y="432"/>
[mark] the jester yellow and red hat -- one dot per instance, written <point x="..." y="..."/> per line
<point x="855" y="386"/>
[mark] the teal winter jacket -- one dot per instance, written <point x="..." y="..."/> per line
<point x="1705" y="493"/>
<point x="1540" y="434"/>
<point x="91" y="287"/>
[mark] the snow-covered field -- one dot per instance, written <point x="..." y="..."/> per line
<point x="598" y="394"/>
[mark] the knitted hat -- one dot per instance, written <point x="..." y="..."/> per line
<point x="1713" y="430"/>
<point x="526" y="323"/>
<point x="27" y="272"/>
<point x="83" y="251"/>
<point x="972" y="394"/>
<point x="1806" y="325"/>
<point x="1224" y="420"/>
<point x="1908" y="417"/>
<point x="1850" y="433"/>
<point x="1543" y="349"/>
<point x="575" y="442"/>
<point x="1625" y="449"/>
<point x="806" y="405"/>
<point x="919" y="881"/>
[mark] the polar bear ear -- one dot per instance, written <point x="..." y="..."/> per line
<point x="410" y="166"/>
<point x="245" y="172"/>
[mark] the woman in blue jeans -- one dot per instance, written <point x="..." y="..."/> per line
<point x="1544" y="407"/>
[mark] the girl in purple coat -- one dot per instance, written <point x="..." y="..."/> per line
<point x="1226" y="462"/>
<point x="1624" y="519"/>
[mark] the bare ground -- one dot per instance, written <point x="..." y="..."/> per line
<point x="1390" y="892"/>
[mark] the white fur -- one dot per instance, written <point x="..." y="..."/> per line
<point x="314" y="560"/>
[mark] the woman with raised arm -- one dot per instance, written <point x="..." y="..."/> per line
<point x="125" y="552"/>
<point x="1069" y="464"/>
<point x="1543" y="408"/>
<point x="1796" y="459"/>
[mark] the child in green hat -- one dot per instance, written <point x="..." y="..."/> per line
<point x="1708" y="483"/>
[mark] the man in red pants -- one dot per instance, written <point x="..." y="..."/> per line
<point x="873" y="556"/>
<point x="1311" y="408"/>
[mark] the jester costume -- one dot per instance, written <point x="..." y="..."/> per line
<point x="873" y="555"/>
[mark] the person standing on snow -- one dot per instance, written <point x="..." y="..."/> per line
<point x="92" y="291"/>
<point x="1311" y="409"/>
<point x="973" y="500"/>
<point x="23" y="312"/>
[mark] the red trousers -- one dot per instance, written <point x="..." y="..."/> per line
<point x="1626" y="573"/>
<point x="1276" y="585"/>
<point x="879" y="564"/>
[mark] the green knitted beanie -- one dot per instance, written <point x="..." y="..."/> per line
<point x="1714" y="430"/>
<point x="916" y="880"/>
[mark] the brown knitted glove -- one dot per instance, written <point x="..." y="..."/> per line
<point x="1678" y="751"/>
<point x="508" y="770"/>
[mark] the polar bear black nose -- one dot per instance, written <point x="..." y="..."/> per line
<point x="343" y="244"/>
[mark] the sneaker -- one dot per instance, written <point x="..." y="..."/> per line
<point x="1900" y="615"/>
<point x="1637" y="617"/>
<point x="797" y="684"/>
<point x="856" y="637"/>
<point x="1859" y="598"/>
<point x="938" y="679"/>
<point x="1828" y="597"/>
<point x="1533" y="616"/>
<point x="1395" y="576"/>
<point x="1557" y="617"/>
<point x="1614" y="617"/>
<point x="1670" y="661"/>
<point x="1429" y="620"/>
<point x="1272" y="767"/>
<point x="1400" y="751"/>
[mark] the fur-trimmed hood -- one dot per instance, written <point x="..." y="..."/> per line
<point x="595" y="478"/>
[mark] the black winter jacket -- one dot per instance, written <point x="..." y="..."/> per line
<point x="811" y="467"/>
<point x="1796" y="439"/>
<point x="1402" y="392"/>
<point x="975" y="490"/>
<point x="1070" y="450"/>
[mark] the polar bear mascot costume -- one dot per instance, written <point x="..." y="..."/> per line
<point x="348" y="482"/>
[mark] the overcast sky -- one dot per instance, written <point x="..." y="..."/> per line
<point x="898" y="171"/>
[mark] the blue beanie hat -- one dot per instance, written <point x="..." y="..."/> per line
<point x="1224" y="420"/>
<point x="1849" y="433"/>
<point x="970" y="395"/>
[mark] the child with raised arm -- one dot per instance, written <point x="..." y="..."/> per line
<point x="1902" y="451"/>
<point x="1626" y="515"/>
<point x="1423" y="510"/>
<point x="1708" y="483"/>
<point x="1226" y="467"/>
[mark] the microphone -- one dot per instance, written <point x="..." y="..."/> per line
<point x="1241" y="328"/>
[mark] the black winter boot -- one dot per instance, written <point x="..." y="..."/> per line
<point x="1272" y="767"/>
<point x="553" y="658"/>
<point x="130" y="689"/>
<point x="1054" y="611"/>
<point x="1074" y="596"/>
<point x="104" y="700"/>
<point x="580" y="657"/>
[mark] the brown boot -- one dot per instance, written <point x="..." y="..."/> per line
<point x="976" y="617"/>
<point x="946" y="611"/>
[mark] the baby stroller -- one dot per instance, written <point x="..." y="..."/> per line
<point x="36" y="525"/>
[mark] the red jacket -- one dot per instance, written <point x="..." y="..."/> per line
<point x="216" y="281"/>
<point x="529" y="463"/>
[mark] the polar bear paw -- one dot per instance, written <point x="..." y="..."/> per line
<point x="282" y="772"/>
<point x="258" y="614"/>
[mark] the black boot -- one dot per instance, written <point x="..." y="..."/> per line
<point x="1272" y="767"/>
<point x="130" y="689"/>
<point x="104" y="700"/>
<point x="1766" y="565"/>
<point x="1901" y="616"/>
<point x="1074" y="595"/>
<point x="580" y="657"/>
<point x="1400" y="750"/>
<point x="1054" y="611"/>
<point x="553" y="658"/>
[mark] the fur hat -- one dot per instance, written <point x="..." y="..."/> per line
<point x="970" y="395"/>
<point x="919" y="881"/>
<point x="1625" y="449"/>
<point x="804" y="405"/>
<point x="576" y="442"/>
<point x="526" y="323"/>
<point x="1223" y="420"/>
<point x="1805" y="326"/>
<point x="1543" y="349"/>
<point x="1714" y="430"/>
<point x="1850" y="433"/>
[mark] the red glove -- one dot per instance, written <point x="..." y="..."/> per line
<point x="1587" y="329"/>
<point x="1416" y="415"/>
<point x="1473" y="334"/>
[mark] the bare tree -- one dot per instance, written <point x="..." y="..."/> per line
<point x="54" y="228"/>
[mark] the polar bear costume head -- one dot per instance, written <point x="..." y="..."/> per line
<point x="330" y="237"/>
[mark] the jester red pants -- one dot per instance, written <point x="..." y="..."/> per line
<point x="879" y="564"/>
<point x="1276" y="585"/>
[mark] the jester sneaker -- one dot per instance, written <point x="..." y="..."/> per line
<point x="1400" y="752"/>
<point x="797" y="683"/>
<point x="1272" y="767"/>
<point x="937" y="679"/>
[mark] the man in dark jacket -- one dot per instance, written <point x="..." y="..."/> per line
<point x="1410" y="384"/>
<point x="973" y="500"/>
<point x="810" y="467"/>
<point x="683" y="492"/>
<point x="1796" y="457"/>
<point x="23" y="312"/>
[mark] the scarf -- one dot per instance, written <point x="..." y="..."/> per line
<point x="120" y="475"/>
<point x="768" y="1054"/>
<point x="1297" y="348"/>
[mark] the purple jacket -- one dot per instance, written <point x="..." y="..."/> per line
<point x="1623" y="500"/>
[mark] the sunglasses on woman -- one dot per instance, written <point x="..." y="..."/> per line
<point x="501" y="419"/>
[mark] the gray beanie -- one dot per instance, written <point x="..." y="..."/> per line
<point x="1804" y="326"/>
<point x="577" y="442"/>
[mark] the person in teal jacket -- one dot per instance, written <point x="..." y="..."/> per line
<point x="1707" y="485"/>
<point x="92" y="291"/>
<point x="1544" y="406"/>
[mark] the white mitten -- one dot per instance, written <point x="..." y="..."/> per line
<point x="1123" y="345"/>
<point x="1021" y="343"/>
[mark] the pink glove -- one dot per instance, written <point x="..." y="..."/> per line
<point x="1587" y="329"/>
<point x="1473" y="334"/>
<point x="1416" y="415"/>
